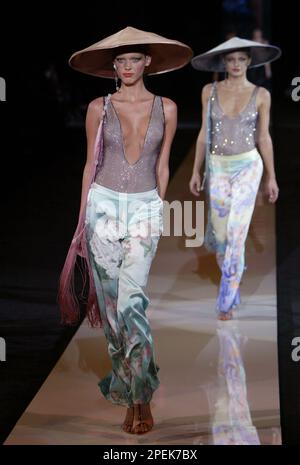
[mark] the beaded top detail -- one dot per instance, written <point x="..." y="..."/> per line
<point x="231" y="135"/>
<point x="115" y="171"/>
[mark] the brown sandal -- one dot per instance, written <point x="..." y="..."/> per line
<point x="225" y="316"/>
<point x="144" y="425"/>
<point x="128" y="422"/>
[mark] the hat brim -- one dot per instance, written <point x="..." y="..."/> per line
<point x="260" y="55"/>
<point x="99" y="62"/>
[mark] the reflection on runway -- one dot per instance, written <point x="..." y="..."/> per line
<point x="232" y="423"/>
<point x="219" y="380"/>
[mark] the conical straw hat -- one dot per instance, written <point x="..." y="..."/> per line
<point x="97" y="59"/>
<point x="260" y="54"/>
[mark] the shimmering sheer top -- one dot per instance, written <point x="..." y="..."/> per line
<point x="116" y="172"/>
<point x="233" y="135"/>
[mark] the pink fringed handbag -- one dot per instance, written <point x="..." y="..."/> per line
<point x="67" y="299"/>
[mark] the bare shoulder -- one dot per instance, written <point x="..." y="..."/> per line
<point x="263" y="95"/>
<point x="169" y="105"/>
<point x="94" y="114"/>
<point x="206" y="90"/>
<point x="170" y="109"/>
<point x="96" y="106"/>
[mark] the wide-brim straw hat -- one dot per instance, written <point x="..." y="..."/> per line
<point x="97" y="59"/>
<point x="260" y="54"/>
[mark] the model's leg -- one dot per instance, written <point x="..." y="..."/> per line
<point x="132" y="305"/>
<point x="220" y="201"/>
<point x="139" y="251"/>
<point x="244" y="189"/>
<point x="220" y="204"/>
<point x="106" y="256"/>
<point x="237" y="299"/>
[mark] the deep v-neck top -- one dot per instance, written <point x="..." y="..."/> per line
<point x="116" y="172"/>
<point x="145" y="136"/>
<point x="231" y="135"/>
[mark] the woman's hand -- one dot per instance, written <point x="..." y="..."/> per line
<point x="195" y="184"/>
<point x="271" y="189"/>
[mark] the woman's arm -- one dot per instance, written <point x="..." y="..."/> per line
<point x="162" y="168"/>
<point x="195" y="182"/>
<point x="93" y="118"/>
<point x="264" y="143"/>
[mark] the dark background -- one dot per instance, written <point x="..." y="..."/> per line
<point x="43" y="154"/>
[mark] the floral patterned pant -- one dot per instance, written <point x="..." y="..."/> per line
<point x="123" y="231"/>
<point x="233" y="185"/>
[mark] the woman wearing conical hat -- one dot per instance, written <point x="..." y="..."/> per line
<point x="129" y="136"/>
<point x="235" y="142"/>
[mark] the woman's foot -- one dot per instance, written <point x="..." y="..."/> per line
<point x="224" y="316"/>
<point x="142" y="418"/>
<point x="128" y="422"/>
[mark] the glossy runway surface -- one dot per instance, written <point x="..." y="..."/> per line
<point x="219" y="380"/>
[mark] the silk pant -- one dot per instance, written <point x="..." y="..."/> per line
<point x="233" y="185"/>
<point x="123" y="231"/>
